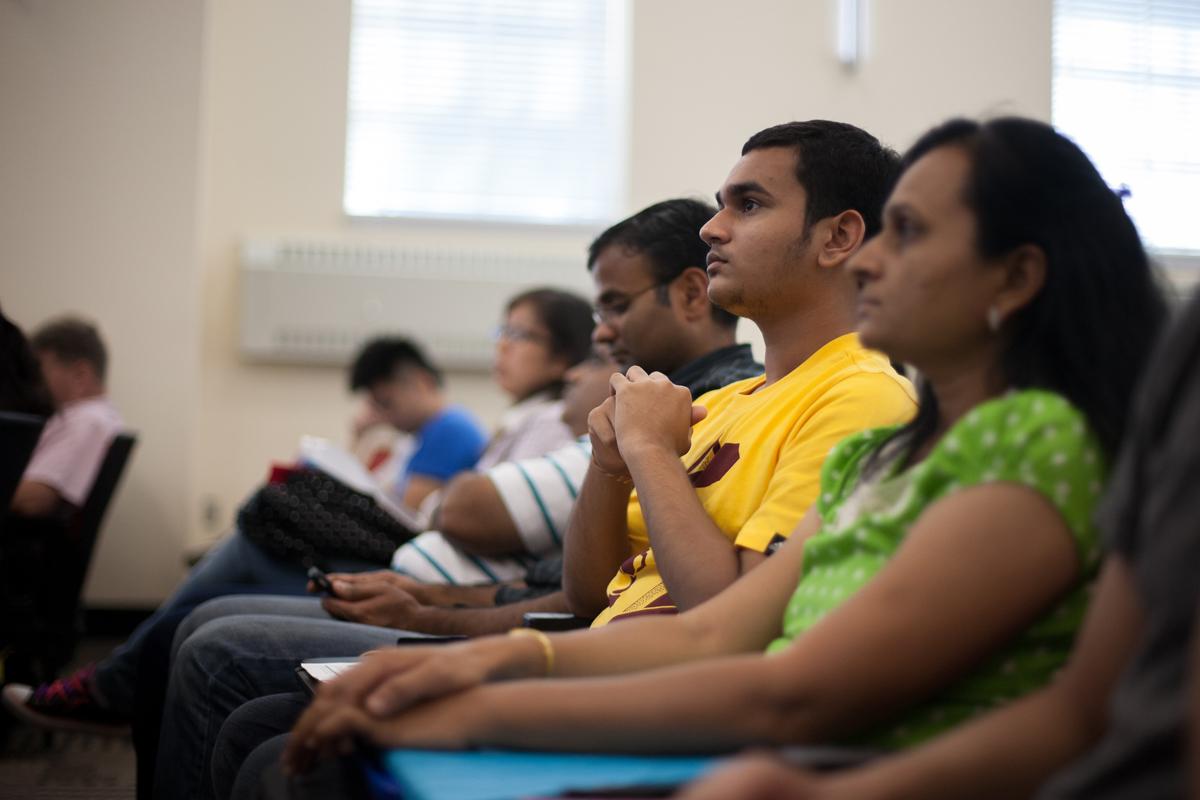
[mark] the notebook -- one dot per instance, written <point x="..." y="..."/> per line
<point x="506" y="774"/>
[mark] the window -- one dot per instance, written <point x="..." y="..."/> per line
<point x="500" y="110"/>
<point x="1126" y="88"/>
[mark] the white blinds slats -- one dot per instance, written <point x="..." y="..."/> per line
<point x="508" y="109"/>
<point x="1126" y="87"/>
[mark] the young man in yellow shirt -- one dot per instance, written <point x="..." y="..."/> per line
<point x="798" y="204"/>
<point x="672" y="512"/>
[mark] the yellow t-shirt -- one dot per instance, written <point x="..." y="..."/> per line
<point x="755" y="460"/>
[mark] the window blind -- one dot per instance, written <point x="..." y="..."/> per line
<point x="1126" y="88"/>
<point x="493" y="110"/>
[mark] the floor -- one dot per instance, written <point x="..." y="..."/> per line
<point x="35" y="765"/>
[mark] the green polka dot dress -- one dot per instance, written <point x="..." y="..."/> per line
<point x="1034" y="438"/>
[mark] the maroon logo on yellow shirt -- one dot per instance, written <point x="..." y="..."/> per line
<point x="713" y="463"/>
<point x="627" y="574"/>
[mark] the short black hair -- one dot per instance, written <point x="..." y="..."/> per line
<point x="381" y="359"/>
<point x="72" y="339"/>
<point x="667" y="233"/>
<point x="840" y="166"/>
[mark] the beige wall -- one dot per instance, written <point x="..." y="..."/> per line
<point x="146" y="138"/>
<point x="99" y="145"/>
<point x="708" y="73"/>
<point x="274" y="136"/>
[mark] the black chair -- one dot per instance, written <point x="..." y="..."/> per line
<point x="84" y="528"/>
<point x="45" y="565"/>
<point x="19" y="434"/>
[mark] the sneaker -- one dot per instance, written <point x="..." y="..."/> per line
<point x="66" y="704"/>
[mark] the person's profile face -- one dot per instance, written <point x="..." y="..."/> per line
<point x="524" y="359"/>
<point x="399" y="399"/>
<point x="61" y="377"/>
<point x="632" y="322"/>
<point x="924" y="288"/>
<point x="758" y="234"/>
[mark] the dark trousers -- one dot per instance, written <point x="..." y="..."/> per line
<point x="154" y="671"/>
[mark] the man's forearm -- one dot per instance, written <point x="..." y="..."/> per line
<point x="436" y="594"/>
<point x="695" y="558"/>
<point x="35" y="499"/>
<point x="484" y="621"/>
<point x="597" y="542"/>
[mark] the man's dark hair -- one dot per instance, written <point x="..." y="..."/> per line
<point x="668" y="234"/>
<point x="841" y="167"/>
<point x="72" y="339"/>
<point x="381" y="359"/>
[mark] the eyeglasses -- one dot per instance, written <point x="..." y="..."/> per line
<point x="605" y="313"/>
<point x="509" y="333"/>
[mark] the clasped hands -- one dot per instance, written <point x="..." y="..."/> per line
<point x="644" y="414"/>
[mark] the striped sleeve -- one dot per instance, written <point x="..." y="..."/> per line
<point x="430" y="558"/>
<point x="539" y="494"/>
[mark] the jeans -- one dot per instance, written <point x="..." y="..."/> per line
<point x="330" y="779"/>
<point x="251" y="740"/>
<point x="236" y="560"/>
<point x="226" y="655"/>
<point x="153" y="669"/>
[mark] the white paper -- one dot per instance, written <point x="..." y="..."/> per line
<point x="343" y="467"/>
<point x="322" y="671"/>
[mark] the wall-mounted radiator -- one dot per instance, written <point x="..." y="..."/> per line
<point x="309" y="301"/>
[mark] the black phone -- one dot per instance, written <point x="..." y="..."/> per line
<point x="318" y="577"/>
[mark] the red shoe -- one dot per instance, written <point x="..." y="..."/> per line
<point x="66" y="704"/>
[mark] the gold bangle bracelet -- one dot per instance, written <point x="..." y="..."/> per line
<point x="624" y="480"/>
<point x="543" y="640"/>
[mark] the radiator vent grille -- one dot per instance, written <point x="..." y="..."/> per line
<point x="309" y="301"/>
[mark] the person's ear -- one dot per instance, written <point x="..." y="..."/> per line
<point x="425" y="380"/>
<point x="1022" y="276"/>
<point x="839" y="238"/>
<point x="691" y="290"/>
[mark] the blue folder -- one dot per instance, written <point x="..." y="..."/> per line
<point x="508" y="774"/>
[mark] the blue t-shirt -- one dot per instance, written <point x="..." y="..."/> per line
<point x="448" y="444"/>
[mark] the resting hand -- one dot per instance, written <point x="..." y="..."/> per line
<point x="414" y="587"/>
<point x="652" y="413"/>
<point x="374" y="600"/>
<point x="390" y="681"/>
<point x="756" y="777"/>
<point x="368" y="416"/>
<point x="330" y="727"/>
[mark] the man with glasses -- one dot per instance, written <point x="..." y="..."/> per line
<point x="652" y="306"/>
<point x="799" y="203"/>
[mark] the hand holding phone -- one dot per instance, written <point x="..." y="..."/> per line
<point x="319" y="579"/>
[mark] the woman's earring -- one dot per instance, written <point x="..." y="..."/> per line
<point x="994" y="319"/>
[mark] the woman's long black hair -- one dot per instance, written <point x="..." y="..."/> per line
<point x="1089" y="330"/>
